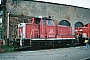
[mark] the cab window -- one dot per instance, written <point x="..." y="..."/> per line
<point x="51" y="23"/>
<point x="44" y="22"/>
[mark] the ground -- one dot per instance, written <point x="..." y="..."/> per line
<point x="71" y="53"/>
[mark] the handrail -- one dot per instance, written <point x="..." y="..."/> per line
<point x="32" y="31"/>
<point x="33" y="34"/>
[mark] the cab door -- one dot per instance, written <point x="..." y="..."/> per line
<point x="43" y="29"/>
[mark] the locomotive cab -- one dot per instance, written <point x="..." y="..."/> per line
<point x="47" y="28"/>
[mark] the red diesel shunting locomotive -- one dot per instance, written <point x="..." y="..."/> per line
<point x="43" y="32"/>
<point x="82" y="33"/>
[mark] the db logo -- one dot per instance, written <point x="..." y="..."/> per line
<point x="51" y="31"/>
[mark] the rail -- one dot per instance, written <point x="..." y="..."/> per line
<point x="32" y="33"/>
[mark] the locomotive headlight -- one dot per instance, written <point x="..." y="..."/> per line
<point x="76" y="30"/>
<point x="81" y="30"/>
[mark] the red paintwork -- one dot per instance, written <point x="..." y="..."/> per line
<point x="31" y="30"/>
<point x="51" y="31"/>
<point x="45" y="28"/>
<point x="64" y="30"/>
<point x="83" y="30"/>
<point x="42" y="30"/>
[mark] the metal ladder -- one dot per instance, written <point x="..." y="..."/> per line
<point x="32" y="35"/>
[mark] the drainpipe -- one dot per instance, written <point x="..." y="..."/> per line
<point x="8" y="29"/>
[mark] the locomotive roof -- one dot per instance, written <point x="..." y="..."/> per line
<point x="45" y="18"/>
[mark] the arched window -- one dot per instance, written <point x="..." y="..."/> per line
<point x="64" y="22"/>
<point x="78" y="24"/>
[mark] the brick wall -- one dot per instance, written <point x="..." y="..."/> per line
<point x="56" y="11"/>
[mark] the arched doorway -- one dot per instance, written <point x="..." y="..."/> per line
<point x="64" y="22"/>
<point x="78" y="24"/>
